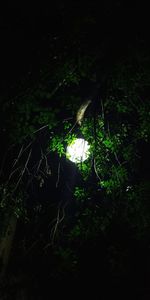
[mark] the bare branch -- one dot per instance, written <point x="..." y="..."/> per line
<point x="102" y="109"/>
<point x="58" y="175"/>
<point x="58" y="221"/>
<point x="117" y="158"/>
<point x="41" y="128"/>
<point x="95" y="169"/>
<point x="12" y="173"/>
<point x="16" y="160"/>
<point x="39" y="164"/>
<point x="23" y="171"/>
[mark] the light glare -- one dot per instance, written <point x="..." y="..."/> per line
<point x="78" y="151"/>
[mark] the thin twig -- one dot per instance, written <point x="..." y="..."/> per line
<point x="46" y="164"/>
<point x="41" y="128"/>
<point x="58" y="175"/>
<point x="16" y="160"/>
<point x="117" y="158"/>
<point x="54" y="229"/>
<point x="57" y="87"/>
<point x="39" y="164"/>
<point x="12" y="173"/>
<point x="102" y="109"/>
<point x="95" y="169"/>
<point x="22" y="173"/>
<point x="27" y="146"/>
<point x="58" y="221"/>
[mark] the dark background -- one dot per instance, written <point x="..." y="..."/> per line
<point x="27" y="32"/>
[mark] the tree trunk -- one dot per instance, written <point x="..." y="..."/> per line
<point x="6" y="241"/>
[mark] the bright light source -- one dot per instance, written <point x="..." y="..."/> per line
<point x="78" y="151"/>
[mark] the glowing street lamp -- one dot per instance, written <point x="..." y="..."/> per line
<point x="78" y="151"/>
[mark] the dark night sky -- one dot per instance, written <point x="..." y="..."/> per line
<point x="26" y="31"/>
